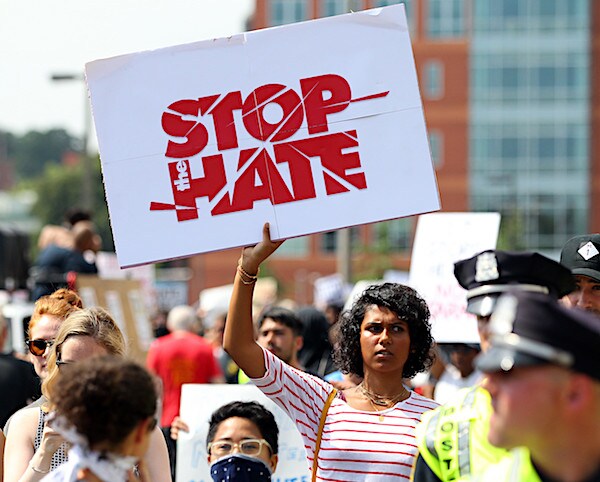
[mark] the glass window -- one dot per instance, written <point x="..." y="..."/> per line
<point x="393" y="235"/>
<point x="434" y="79"/>
<point x="329" y="240"/>
<point x="446" y="19"/>
<point x="333" y="7"/>
<point x="287" y="11"/>
<point x="294" y="247"/>
<point x="436" y="145"/>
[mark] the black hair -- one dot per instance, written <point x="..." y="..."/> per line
<point x="253" y="411"/>
<point x="408" y="305"/>
<point x="284" y="316"/>
<point x="104" y="398"/>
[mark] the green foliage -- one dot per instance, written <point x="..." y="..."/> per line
<point x="59" y="188"/>
<point x="34" y="150"/>
<point x="510" y="237"/>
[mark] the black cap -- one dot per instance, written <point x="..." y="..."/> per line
<point x="490" y="273"/>
<point x="581" y="255"/>
<point x="532" y="329"/>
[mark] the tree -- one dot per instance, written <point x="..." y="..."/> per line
<point x="59" y="189"/>
<point x="32" y="151"/>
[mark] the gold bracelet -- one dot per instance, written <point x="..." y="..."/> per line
<point x="247" y="275"/>
<point x="36" y="470"/>
<point x="252" y="279"/>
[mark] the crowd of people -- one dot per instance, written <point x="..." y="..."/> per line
<point x="523" y="404"/>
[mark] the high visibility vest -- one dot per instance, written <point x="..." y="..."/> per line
<point x="516" y="467"/>
<point x="452" y="439"/>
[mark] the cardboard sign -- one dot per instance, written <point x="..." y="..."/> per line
<point x="123" y="299"/>
<point x="441" y="240"/>
<point x="312" y="127"/>
<point x="198" y="402"/>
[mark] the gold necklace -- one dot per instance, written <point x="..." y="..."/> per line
<point x="386" y="402"/>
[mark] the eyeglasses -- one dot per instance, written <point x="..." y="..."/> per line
<point x="251" y="446"/>
<point x="38" y="347"/>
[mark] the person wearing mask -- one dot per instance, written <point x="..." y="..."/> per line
<point x="242" y="443"/>
<point x="543" y="375"/>
<point x="581" y="255"/>
<point x="452" y="439"/>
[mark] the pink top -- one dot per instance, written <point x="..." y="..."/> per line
<point x="356" y="445"/>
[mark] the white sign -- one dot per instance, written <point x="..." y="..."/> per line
<point x="312" y="127"/>
<point x="198" y="402"/>
<point x="441" y="240"/>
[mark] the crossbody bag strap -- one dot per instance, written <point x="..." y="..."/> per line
<point x="320" y="432"/>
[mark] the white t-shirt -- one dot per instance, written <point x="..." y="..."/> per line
<point x="451" y="382"/>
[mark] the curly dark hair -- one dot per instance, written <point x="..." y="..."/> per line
<point x="408" y="305"/>
<point x="253" y="411"/>
<point x="104" y="398"/>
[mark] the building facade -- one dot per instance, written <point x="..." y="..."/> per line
<point x="511" y="115"/>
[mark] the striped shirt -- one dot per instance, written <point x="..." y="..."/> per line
<point x="356" y="445"/>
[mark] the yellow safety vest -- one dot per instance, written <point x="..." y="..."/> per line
<point x="516" y="467"/>
<point x="452" y="439"/>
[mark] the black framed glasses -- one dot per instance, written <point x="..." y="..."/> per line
<point x="251" y="446"/>
<point x="39" y="346"/>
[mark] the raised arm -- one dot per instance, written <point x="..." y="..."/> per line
<point x="238" y="339"/>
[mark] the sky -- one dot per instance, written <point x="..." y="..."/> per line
<point x="39" y="38"/>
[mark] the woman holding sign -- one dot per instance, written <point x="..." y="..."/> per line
<point x="361" y="433"/>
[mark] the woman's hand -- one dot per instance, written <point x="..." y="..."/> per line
<point x="253" y="256"/>
<point x="51" y="441"/>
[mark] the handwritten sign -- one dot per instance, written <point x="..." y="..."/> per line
<point x="312" y="127"/>
<point x="198" y="402"/>
<point x="441" y="240"/>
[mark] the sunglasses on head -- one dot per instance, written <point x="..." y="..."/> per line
<point x="38" y="347"/>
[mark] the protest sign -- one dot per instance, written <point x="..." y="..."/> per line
<point x="311" y="127"/>
<point x="441" y="240"/>
<point x="123" y="299"/>
<point x="198" y="402"/>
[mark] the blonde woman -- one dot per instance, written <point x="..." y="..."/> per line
<point x="32" y="448"/>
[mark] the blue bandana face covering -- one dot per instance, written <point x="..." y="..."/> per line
<point x="240" y="468"/>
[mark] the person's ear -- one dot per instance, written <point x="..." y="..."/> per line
<point x="299" y="343"/>
<point x="274" y="459"/>
<point x="579" y="392"/>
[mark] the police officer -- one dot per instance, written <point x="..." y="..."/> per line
<point x="581" y="255"/>
<point x="452" y="439"/>
<point x="543" y="374"/>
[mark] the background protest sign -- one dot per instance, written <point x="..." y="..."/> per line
<point x="198" y="402"/>
<point x="312" y="127"/>
<point x="441" y="240"/>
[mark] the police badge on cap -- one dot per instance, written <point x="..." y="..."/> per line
<point x="490" y="273"/>
<point x="531" y="329"/>
<point x="581" y="255"/>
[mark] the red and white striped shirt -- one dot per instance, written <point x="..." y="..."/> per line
<point x="356" y="445"/>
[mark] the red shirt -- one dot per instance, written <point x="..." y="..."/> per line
<point x="180" y="358"/>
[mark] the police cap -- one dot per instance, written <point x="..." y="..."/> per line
<point x="490" y="273"/>
<point x="581" y="255"/>
<point x="531" y="329"/>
